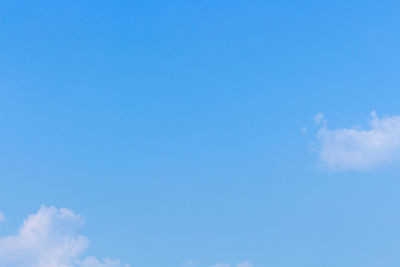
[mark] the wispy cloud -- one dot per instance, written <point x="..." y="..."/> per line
<point x="359" y="149"/>
<point x="49" y="238"/>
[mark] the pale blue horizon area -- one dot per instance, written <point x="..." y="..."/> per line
<point x="175" y="127"/>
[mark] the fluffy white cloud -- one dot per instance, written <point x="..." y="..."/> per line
<point x="49" y="238"/>
<point x="360" y="149"/>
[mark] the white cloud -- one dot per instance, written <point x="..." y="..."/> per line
<point x="360" y="149"/>
<point x="2" y="218"/>
<point x="49" y="238"/>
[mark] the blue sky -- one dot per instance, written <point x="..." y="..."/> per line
<point x="184" y="132"/>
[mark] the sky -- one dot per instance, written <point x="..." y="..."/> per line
<point x="199" y="133"/>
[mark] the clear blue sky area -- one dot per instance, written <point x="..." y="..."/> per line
<point x="184" y="130"/>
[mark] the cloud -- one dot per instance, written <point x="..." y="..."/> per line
<point x="49" y="238"/>
<point x="360" y="149"/>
